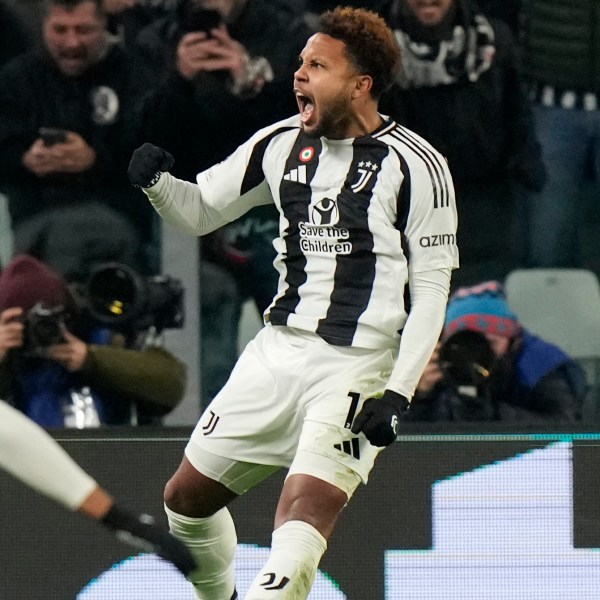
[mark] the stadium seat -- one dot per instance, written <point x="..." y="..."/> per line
<point x="563" y="307"/>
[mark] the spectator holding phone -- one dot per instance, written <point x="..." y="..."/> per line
<point x="65" y="124"/>
<point x="226" y="68"/>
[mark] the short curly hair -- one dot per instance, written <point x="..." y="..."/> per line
<point x="369" y="41"/>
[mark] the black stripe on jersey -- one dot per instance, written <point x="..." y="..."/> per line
<point x="403" y="199"/>
<point x="441" y="195"/>
<point x="354" y="272"/>
<point x="254" y="173"/>
<point x="295" y="203"/>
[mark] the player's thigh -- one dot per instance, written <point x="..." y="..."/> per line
<point x="236" y="475"/>
<point x="327" y="448"/>
<point x="256" y="418"/>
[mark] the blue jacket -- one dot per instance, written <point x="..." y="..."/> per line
<point x="535" y="381"/>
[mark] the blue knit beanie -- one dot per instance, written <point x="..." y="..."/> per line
<point x="482" y="308"/>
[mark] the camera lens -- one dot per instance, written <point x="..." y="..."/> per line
<point x="466" y="357"/>
<point x="113" y="293"/>
<point x="46" y="332"/>
<point x="44" y="327"/>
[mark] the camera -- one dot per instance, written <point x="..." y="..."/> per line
<point x="117" y="296"/>
<point x="43" y="327"/>
<point x="466" y="358"/>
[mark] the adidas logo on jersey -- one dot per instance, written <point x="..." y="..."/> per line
<point x="298" y="175"/>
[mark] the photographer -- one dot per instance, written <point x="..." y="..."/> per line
<point x="61" y="368"/>
<point x="487" y="367"/>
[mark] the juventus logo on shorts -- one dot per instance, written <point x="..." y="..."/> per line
<point x="270" y="582"/>
<point x="212" y="423"/>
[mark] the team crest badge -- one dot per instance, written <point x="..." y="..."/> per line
<point x="365" y="172"/>
<point x="105" y="103"/>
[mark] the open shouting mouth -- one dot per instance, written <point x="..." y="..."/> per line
<point x="305" y="105"/>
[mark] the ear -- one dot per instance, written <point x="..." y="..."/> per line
<point x="363" y="86"/>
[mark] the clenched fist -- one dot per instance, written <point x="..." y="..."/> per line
<point x="378" y="419"/>
<point x="147" y="163"/>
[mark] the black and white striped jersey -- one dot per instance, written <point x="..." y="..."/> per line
<point x="356" y="216"/>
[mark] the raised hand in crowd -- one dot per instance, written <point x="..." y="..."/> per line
<point x="216" y="50"/>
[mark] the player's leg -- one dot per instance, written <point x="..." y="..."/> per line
<point x="329" y="464"/>
<point x="306" y="515"/>
<point x="215" y="468"/>
<point x="197" y="514"/>
<point x="196" y="507"/>
<point x="30" y="454"/>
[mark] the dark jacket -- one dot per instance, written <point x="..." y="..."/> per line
<point x="99" y="106"/>
<point x="202" y="122"/>
<point x="561" y="43"/>
<point x="14" y="38"/>
<point x="484" y="127"/>
<point x="534" y="382"/>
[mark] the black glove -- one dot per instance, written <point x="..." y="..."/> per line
<point x="379" y="417"/>
<point x="141" y="533"/>
<point x="147" y="163"/>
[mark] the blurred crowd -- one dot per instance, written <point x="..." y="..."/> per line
<point x="507" y="90"/>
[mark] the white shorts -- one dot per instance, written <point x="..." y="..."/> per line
<point x="290" y="402"/>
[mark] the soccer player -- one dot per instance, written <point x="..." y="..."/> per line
<point x="367" y="209"/>
<point x="29" y="453"/>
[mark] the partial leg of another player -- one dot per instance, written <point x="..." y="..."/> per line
<point x="31" y="455"/>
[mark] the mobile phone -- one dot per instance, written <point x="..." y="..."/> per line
<point x="52" y="135"/>
<point x="198" y="19"/>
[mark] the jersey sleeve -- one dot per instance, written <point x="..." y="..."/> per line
<point x="239" y="178"/>
<point x="432" y="219"/>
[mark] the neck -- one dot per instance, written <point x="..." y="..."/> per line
<point x="365" y="120"/>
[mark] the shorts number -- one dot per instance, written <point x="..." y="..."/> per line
<point x="354" y="398"/>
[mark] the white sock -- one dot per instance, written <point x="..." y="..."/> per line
<point x="296" y="550"/>
<point x="212" y="541"/>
